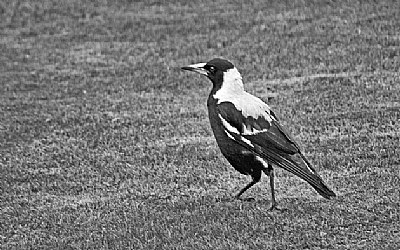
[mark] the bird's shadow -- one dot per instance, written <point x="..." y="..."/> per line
<point x="250" y="200"/>
<point x="234" y="199"/>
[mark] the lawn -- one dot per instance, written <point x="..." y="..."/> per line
<point x="105" y="142"/>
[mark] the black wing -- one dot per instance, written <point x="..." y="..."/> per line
<point x="264" y="136"/>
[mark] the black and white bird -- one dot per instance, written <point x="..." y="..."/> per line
<point x="248" y="132"/>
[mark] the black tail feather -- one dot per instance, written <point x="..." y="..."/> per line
<point x="286" y="162"/>
<point x="310" y="176"/>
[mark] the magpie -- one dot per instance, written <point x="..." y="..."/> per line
<point x="249" y="133"/>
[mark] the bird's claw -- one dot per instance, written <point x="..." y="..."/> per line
<point x="248" y="199"/>
<point x="274" y="207"/>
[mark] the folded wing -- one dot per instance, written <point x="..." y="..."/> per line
<point x="264" y="136"/>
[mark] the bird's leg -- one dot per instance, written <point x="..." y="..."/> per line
<point x="270" y="172"/>
<point x="245" y="188"/>
<point x="272" y="185"/>
<point x="255" y="178"/>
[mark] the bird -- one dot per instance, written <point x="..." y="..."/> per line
<point x="248" y="132"/>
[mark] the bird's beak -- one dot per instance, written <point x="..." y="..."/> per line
<point x="198" y="68"/>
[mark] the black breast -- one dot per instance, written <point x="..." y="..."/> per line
<point x="238" y="156"/>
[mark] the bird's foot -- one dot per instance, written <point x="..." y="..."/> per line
<point x="248" y="199"/>
<point x="274" y="207"/>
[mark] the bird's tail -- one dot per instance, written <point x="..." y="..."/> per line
<point x="306" y="173"/>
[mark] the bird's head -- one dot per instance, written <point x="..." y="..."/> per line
<point x="220" y="72"/>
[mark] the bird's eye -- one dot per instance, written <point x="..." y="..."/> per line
<point x="211" y="69"/>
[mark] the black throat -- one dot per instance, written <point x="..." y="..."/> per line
<point x="217" y="81"/>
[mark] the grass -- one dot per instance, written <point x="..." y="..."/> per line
<point x="99" y="148"/>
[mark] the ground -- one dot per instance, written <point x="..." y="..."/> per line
<point x="105" y="142"/>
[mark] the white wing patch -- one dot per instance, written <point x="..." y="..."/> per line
<point x="248" y="142"/>
<point x="263" y="162"/>
<point x="229" y="135"/>
<point x="230" y="129"/>
<point x="246" y="131"/>
<point x="228" y="126"/>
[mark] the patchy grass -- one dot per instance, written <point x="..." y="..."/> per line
<point x="99" y="148"/>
